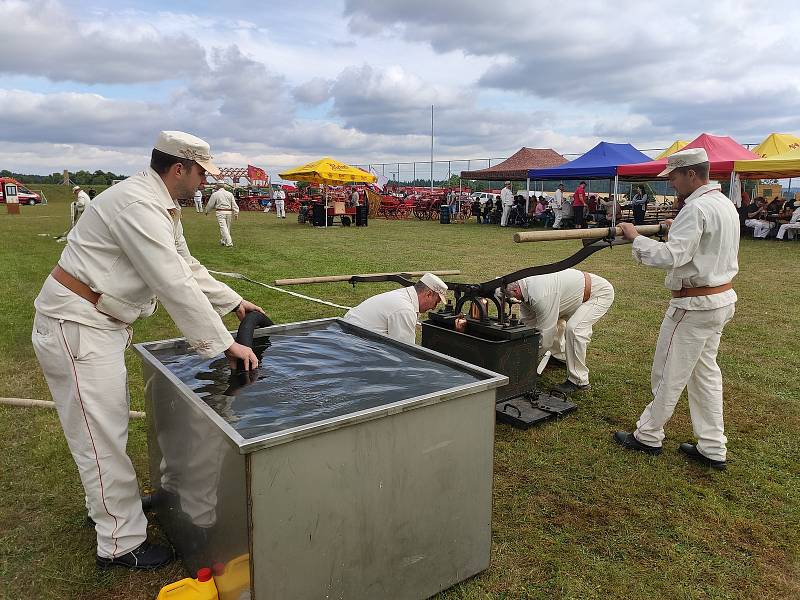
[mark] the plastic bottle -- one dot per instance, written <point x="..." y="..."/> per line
<point x="201" y="588"/>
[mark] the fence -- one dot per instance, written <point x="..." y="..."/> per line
<point x="443" y="171"/>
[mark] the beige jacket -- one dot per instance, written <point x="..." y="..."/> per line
<point x="129" y="247"/>
<point x="702" y="249"/>
<point x="222" y="199"/>
<point x="391" y="313"/>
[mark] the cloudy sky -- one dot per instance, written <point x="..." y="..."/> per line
<point x="88" y="84"/>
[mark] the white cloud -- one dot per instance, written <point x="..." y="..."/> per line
<point x="41" y="38"/>
<point x="286" y="84"/>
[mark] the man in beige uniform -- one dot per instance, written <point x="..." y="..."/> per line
<point x="701" y="260"/>
<point x="564" y="306"/>
<point x="127" y="249"/>
<point x="81" y="202"/>
<point x="395" y="313"/>
<point x="225" y="205"/>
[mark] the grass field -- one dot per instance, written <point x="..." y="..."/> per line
<point x="574" y="515"/>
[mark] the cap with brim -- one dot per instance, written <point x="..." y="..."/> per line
<point x="186" y="145"/>
<point x="76" y="188"/>
<point x="684" y="158"/>
<point x="436" y="284"/>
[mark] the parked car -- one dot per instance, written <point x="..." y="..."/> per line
<point x="483" y="197"/>
<point x="26" y="196"/>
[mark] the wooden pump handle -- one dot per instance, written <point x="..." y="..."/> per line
<point x="595" y="233"/>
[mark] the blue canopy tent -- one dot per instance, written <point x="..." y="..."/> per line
<point x="600" y="162"/>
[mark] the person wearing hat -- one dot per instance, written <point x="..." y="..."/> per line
<point x="700" y="258"/>
<point x="564" y="306"/>
<point x="395" y="313"/>
<point x="127" y="250"/>
<point x="79" y="205"/>
<point x="507" y="201"/>
<point x="224" y="204"/>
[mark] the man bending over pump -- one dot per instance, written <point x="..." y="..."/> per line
<point x="395" y="313"/>
<point x="564" y="306"/>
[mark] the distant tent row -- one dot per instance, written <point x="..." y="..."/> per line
<point x="777" y="157"/>
<point x="601" y="162"/>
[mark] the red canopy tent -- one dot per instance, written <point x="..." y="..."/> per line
<point x="722" y="152"/>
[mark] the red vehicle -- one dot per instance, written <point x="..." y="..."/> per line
<point x="26" y="196"/>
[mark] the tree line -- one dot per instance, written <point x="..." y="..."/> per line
<point x="78" y="177"/>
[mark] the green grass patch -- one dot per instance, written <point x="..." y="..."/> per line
<point x="574" y="516"/>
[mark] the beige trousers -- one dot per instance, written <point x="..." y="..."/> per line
<point x="686" y="357"/>
<point x="578" y="330"/>
<point x="85" y="371"/>
<point x="224" y="220"/>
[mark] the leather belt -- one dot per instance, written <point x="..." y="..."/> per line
<point x="75" y="286"/>
<point x="224" y="210"/>
<point x="587" y="286"/>
<point x="702" y="291"/>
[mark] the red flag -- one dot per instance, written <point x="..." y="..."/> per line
<point x="256" y="174"/>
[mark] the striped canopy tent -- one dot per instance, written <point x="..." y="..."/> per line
<point x="777" y="144"/>
<point x="673" y="148"/>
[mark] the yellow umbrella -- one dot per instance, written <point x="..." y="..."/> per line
<point x="777" y="144"/>
<point x="676" y="145"/>
<point x="328" y="171"/>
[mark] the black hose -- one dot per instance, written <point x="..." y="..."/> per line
<point x="244" y="336"/>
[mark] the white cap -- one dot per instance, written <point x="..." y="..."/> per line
<point x="684" y="158"/>
<point x="185" y="145"/>
<point x="436" y="284"/>
<point x="507" y="183"/>
<point x="76" y="188"/>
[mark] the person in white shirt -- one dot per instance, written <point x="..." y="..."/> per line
<point x="700" y="258"/>
<point x="558" y="206"/>
<point x="507" y="201"/>
<point x="355" y="198"/>
<point x="279" y="199"/>
<point x="794" y="223"/>
<point x="223" y="202"/>
<point x="79" y="205"/>
<point x="127" y="250"/>
<point x="198" y="201"/>
<point x="564" y="306"/>
<point x="395" y="313"/>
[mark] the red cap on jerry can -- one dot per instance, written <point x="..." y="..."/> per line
<point x="203" y="574"/>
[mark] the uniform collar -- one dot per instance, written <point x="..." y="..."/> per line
<point x="162" y="193"/>
<point x="412" y="294"/>
<point x="703" y="189"/>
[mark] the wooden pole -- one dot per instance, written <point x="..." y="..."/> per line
<point x="334" y="278"/>
<point x="580" y="234"/>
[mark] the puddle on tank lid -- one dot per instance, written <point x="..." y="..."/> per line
<point x="310" y="375"/>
